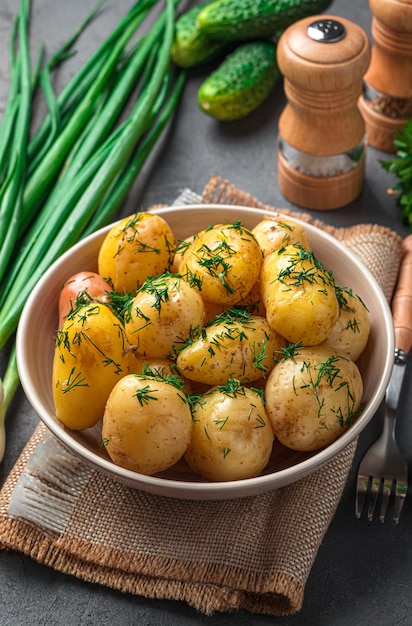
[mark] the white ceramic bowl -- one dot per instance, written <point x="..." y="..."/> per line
<point x="35" y="345"/>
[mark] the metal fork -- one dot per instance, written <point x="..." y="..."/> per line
<point x="383" y="468"/>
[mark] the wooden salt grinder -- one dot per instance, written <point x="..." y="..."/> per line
<point x="388" y="81"/>
<point x="323" y="60"/>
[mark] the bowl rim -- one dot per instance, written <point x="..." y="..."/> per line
<point x="192" y="489"/>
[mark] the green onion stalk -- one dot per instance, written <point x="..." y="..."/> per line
<point x="73" y="175"/>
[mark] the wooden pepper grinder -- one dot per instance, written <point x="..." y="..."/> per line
<point x="321" y="154"/>
<point x="386" y="102"/>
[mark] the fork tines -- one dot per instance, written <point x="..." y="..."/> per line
<point x="384" y="487"/>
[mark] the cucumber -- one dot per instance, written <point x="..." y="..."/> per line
<point x="235" y="20"/>
<point x="191" y="47"/>
<point x="241" y="82"/>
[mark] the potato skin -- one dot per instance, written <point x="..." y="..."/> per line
<point x="299" y="296"/>
<point x="147" y="424"/>
<point x="232" y="437"/>
<point x="350" y="334"/>
<point x="276" y="231"/>
<point x="312" y="397"/>
<point x="89" y="359"/>
<point x="231" y="347"/>
<point x="139" y="246"/>
<point x="162" y="316"/>
<point x="225" y="261"/>
<point x="87" y="286"/>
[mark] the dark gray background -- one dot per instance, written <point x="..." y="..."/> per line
<point x="362" y="574"/>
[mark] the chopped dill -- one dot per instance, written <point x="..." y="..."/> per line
<point x="75" y="379"/>
<point x="343" y="295"/>
<point x="260" y="356"/>
<point x="230" y="316"/>
<point x="160" y="286"/>
<point x="259" y="392"/>
<point x="221" y="422"/>
<point x="304" y="268"/>
<point x="145" y="394"/>
<point x="232" y="388"/>
<point x="290" y="351"/>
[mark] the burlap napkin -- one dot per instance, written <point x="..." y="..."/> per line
<point x="254" y="553"/>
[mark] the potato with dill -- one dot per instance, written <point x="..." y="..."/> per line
<point x="89" y="359"/>
<point x="183" y="248"/>
<point x="312" y="396"/>
<point x="224" y="261"/>
<point x="147" y="423"/>
<point x="138" y="246"/>
<point x="235" y="344"/>
<point x="276" y="231"/>
<point x="163" y="315"/>
<point x="350" y="334"/>
<point x="232" y="437"/>
<point x="299" y="295"/>
<point x="82" y="287"/>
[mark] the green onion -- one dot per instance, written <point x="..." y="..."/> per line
<point x="39" y="184"/>
<point x="117" y="195"/>
<point x="103" y="126"/>
<point x="78" y="86"/>
<point x="12" y="104"/>
<point x="9" y="388"/>
<point x="44" y="78"/>
<point x="12" y="195"/>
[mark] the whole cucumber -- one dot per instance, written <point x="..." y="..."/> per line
<point x="191" y="47"/>
<point x="241" y="83"/>
<point x="236" y="20"/>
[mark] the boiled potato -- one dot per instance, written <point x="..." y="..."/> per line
<point x="224" y="262"/>
<point x="139" y="246"/>
<point x="89" y="359"/>
<point x="184" y="248"/>
<point x="350" y="334"/>
<point x="232" y="437"/>
<point x="276" y="231"/>
<point x="299" y="295"/>
<point x="164" y="313"/>
<point x="81" y="288"/>
<point x="147" y="424"/>
<point x="312" y="396"/>
<point x="234" y="345"/>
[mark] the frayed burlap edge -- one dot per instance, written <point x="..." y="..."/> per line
<point x="207" y="598"/>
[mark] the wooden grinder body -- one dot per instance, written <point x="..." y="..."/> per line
<point x="322" y="82"/>
<point x="389" y="72"/>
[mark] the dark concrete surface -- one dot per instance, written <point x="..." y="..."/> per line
<point x="363" y="572"/>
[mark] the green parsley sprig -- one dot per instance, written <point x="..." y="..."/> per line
<point x="401" y="167"/>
